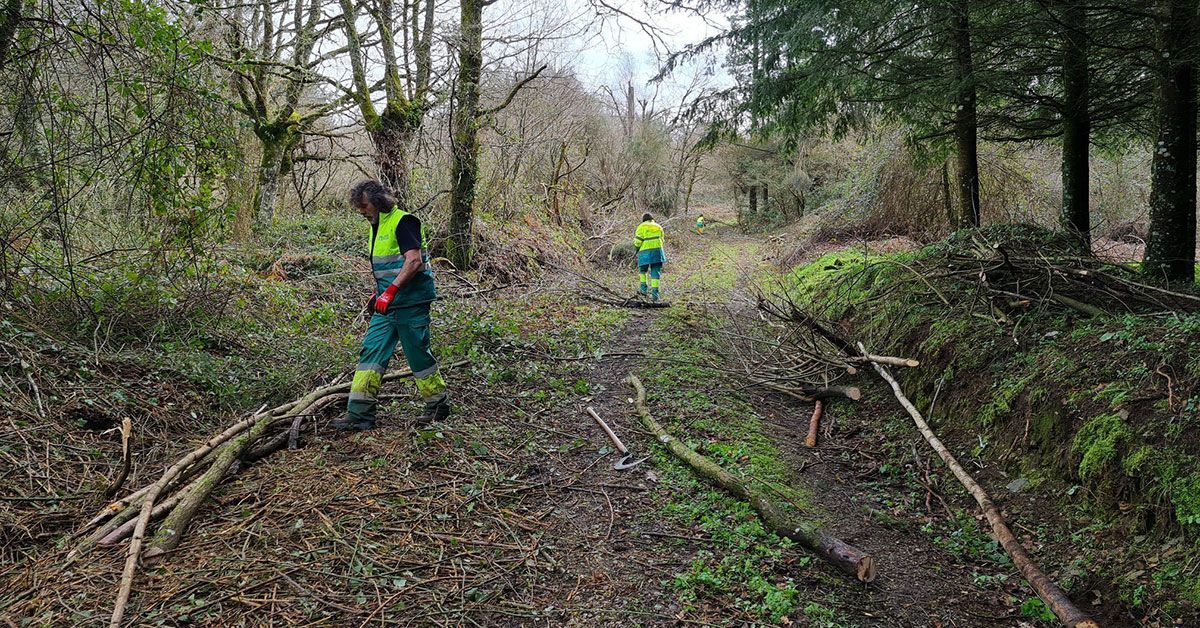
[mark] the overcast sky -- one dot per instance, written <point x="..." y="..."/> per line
<point x="623" y="42"/>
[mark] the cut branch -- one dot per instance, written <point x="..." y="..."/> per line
<point x="813" y="425"/>
<point x="850" y="560"/>
<point x="1053" y="596"/>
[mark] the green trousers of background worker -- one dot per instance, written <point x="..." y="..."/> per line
<point x="408" y="326"/>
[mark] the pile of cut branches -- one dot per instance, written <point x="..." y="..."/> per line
<point x="1017" y="274"/>
<point x="178" y="494"/>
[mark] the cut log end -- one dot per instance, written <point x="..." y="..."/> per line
<point x="866" y="569"/>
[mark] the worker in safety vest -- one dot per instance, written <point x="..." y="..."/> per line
<point x="700" y="224"/>
<point x="649" y="243"/>
<point x="404" y="290"/>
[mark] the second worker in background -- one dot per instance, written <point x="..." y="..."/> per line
<point x="649" y="242"/>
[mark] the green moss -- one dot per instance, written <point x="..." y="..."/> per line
<point x="1004" y="393"/>
<point x="1098" y="441"/>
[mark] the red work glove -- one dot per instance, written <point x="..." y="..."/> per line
<point x="382" y="301"/>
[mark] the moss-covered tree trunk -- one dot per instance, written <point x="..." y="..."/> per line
<point x="1077" y="125"/>
<point x="1171" y="242"/>
<point x="464" y="141"/>
<point x="966" y="121"/>
<point x="277" y="140"/>
<point x="393" y="135"/>
<point x="266" y="190"/>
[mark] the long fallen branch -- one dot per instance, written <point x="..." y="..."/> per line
<point x="848" y="559"/>
<point x="1053" y="596"/>
<point x="631" y="302"/>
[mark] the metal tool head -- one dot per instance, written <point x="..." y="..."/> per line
<point x="624" y="462"/>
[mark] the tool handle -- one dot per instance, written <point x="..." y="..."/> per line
<point x="612" y="436"/>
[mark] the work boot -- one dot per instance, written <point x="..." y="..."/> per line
<point x="346" y="424"/>
<point x="642" y="289"/>
<point x="437" y="411"/>
<point x="654" y="295"/>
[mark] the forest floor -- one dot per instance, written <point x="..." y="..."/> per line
<point x="510" y="513"/>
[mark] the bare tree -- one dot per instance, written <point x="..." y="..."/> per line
<point x="406" y="82"/>
<point x="272" y="45"/>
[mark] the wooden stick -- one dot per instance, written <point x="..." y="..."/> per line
<point x="850" y="560"/>
<point x="888" y="360"/>
<point x="1053" y="596"/>
<point x="813" y="424"/>
<point x="121" y="532"/>
<point x="126" y="458"/>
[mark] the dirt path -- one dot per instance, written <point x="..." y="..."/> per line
<point x="849" y="480"/>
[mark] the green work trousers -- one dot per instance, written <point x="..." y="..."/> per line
<point x="408" y="326"/>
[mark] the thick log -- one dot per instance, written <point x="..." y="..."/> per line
<point x="631" y="302"/>
<point x="813" y="424"/>
<point x="846" y="558"/>
<point x="122" y="532"/>
<point x="1053" y="596"/>
<point x="810" y="394"/>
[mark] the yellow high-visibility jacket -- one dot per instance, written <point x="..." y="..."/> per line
<point x="649" y="242"/>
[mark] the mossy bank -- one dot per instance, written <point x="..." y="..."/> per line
<point x="1096" y="415"/>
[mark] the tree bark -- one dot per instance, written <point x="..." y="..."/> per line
<point x="464" y="141"/>
<point x="1076" y="124"/>
<point x="1171" y="242"/>
<point x="947" y="199"/>
<point x="266" y="192"/>
<point x="966" y="122"/>
<point x="753" y="202"/>
<point x="849" y="559"/>
<point x="10" y="17"/>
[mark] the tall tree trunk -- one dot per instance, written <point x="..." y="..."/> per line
<point x="1171" y="243"/>
<point x="966" y="123"/>
<point x="630" y="111"/>
<point x="1077" y="124"/>
<point x="753" y="202"/>
<point x="687" y="198"/>
<point x="464" y="141"/>
<point x="947" y="199"/>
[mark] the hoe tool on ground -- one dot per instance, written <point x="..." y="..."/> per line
<point x="624" y="462"/>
